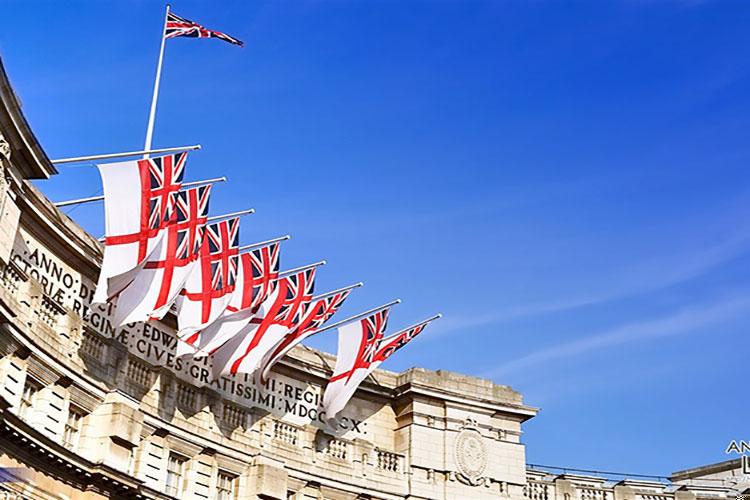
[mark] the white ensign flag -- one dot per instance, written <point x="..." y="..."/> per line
<point x="316" y="315"/>
<point x="159" y="281"/>
<point x="280" y="313"/>
<point x="357" y="344"/>
<point x="138" y="198"/>
<point x="362" y="349"/>
<point x="211" y="282"/>
<point x="256" y="280"/>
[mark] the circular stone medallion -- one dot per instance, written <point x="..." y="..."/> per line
<point x="471" y="454"/>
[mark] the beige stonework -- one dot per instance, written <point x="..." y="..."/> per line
<point x="725" y="480"/>
<point x="92" y="411"/>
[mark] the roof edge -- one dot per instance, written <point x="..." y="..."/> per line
<point x="27" y="154"/>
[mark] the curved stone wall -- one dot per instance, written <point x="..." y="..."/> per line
<point x="88" y="410"/>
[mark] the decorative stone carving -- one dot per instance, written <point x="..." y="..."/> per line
<point x="4" y="148"/>
<point x="470" y="454"/>
<point x="9" y="213"/>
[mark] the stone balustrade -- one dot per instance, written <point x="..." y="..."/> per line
<point x="285" y="433"/>
<point x="542" y="485"/>
<point x="388" y="461"/>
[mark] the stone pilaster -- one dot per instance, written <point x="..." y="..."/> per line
<point x="113" y="431"/>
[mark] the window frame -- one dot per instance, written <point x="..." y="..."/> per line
<point x="175" y="489"/>
<point x="71" y="439"/>
<point x="233" y="485"/>
<point x="27" y="403"/>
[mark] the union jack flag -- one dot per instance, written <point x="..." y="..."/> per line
<point x="191" y="213"/>
<point x="165" y="175"/>
<point x="161" y="179"/>
<point x="315" y="316"/>
<point x="213" y="277"/>
<point x="297" y="291"/>
<point x="320" y="312"/>
<point x="179" y="26"/>
<point x="223" y="241"/>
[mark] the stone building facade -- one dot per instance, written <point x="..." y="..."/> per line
<point x="725" y="480"/>
<point x="88" y="411"/>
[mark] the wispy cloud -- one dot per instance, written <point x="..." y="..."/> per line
<point x="680" y="323"/>
<point x="551" y="390"/>
<point x="640" y="278"/>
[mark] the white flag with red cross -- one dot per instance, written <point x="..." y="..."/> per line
<point x="279" y="314"/>
<point x="159" y="281"/>
<point x="138" y="199"/>
<point x="357" y="344"/>
<point x="316" y="315"/>
<point x="256" y="280"/>
<point x="211" y="282"/>
<point x="362" y="349"/>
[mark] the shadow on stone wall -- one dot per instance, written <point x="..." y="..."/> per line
<point x="291" y="396"/>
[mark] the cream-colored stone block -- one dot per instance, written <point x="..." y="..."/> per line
<point x="267" y="482"/>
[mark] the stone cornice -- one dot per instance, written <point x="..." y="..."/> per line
<point x="26" y="152"/>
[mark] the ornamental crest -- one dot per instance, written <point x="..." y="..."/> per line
<point x="470" y="454"/>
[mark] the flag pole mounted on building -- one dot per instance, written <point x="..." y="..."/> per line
<point x="175" y="26"/>
<point x="79" y="201"/>
<point x="358" y="316"/>
<point x="109" y="156"/>
<point x="157" y="81"/>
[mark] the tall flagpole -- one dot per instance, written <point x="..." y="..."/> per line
<point x="152" y="114"/>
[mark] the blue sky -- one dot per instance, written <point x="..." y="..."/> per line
<point x="567" y="182"/>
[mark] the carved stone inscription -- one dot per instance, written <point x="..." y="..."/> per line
<point x="292" y="400"/>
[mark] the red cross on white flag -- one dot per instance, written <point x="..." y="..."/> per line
<point x="316" y="315"/>
<point x="160" y="279"/>
<point x="138" y="198"/>
<point x="256" y="280"/>
<point x="281" y="312"/>
<point x="209" y="286"/>
<point x="362" y="349"/>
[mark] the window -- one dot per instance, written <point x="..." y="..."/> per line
<point x="30" y="388"/>
<point x="226" y="486"/>
<point x="73" y="427"/>
<point x="175" y="471"/>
